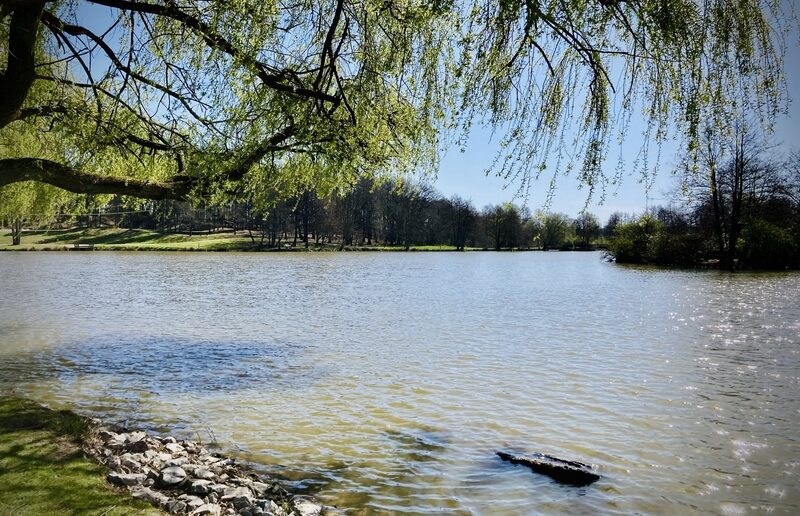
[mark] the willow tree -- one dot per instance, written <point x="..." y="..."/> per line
<point x="191" y="99"/>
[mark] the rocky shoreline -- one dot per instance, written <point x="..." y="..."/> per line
<point x="182" y="477"/>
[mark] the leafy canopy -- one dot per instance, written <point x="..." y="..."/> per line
<point x="210" y="99"/>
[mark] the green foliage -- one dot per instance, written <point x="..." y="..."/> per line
<point x="385" y="87"/>
<point x="555" y="231"/>
<point x="587" y="228"/>
<point x="767" y="246"/>
<point x="636" y="241"/>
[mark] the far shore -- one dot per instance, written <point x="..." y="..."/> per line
<point x="116" y="239"/>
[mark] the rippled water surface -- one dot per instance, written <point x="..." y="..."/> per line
<point x="384" y="383"/>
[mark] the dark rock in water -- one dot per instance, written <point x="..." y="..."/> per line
<point x="564" y="471"/>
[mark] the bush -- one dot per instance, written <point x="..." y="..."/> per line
<point x="767" y="246"/>
<point x="633" y="242"/>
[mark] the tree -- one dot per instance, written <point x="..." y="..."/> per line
<point x="183" y="99"/>
<point x="633" y="241"/>
<point x="555" y="230"/>
<point x="737" y="187"/>
<point x="587" y="228"/>
<point x="463" y="218"/>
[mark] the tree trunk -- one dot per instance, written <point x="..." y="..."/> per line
<point x="736" y="205"/>
<point x="717" y="208"/>
<point x="16" y="232"/>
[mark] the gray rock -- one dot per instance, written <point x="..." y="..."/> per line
<point x="149" y="495"/>
<point x="178" y="461"/>
<point x="200" y="487"/>
<point x="176" y="506"/>
<point x="169" y="440"/>
<point x="139" y="446"/>
<point x="129" y="463"/>
<point x="242" y="502"/>
<point x="107" y="435"/>
<point x="172" y="476"/>
<point x="305" y="506"/>
<point x="233" y="492"/>
<point x="209" y="509"/>
<point x="133" y="437"/>
<point x="126" y="479"/>
<point x="113" y="462"/>
<point x="245" y="512"/>
<point x="204" y="474"/>
<point x="174" y="448"/>
<point x="260" y="488"/>
<point x="219" y="488"/>
<point x="116" y="443"/>
<point x="193" y="502"/>
<point x="240" y="497"/>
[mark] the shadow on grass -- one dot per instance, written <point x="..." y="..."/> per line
<point x="97" y="237"/>
<point x="43" y="470"/>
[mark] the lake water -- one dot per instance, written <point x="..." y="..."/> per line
<point x="385" y="382"/>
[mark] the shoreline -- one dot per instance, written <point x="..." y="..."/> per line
<point x="117" y="239"/>
<point x="176" y="476"/>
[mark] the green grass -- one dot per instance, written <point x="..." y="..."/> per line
<point x="110" y="239"/>
<point x="43" y="470"/>
<point x="124" y="240"/>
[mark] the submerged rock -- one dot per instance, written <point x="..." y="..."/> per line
<point x="565" y="471"/>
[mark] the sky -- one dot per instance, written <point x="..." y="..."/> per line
<point x="463" y="173"/>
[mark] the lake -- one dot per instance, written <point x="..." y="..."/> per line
<point x="385" y="382"/>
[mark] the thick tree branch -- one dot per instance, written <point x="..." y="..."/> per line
<point x="16" y="80"/>
<point x="14" y="170"/>
<point x="269" y="145"/>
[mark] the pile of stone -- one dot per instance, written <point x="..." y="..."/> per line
<point x="182" y="477"/>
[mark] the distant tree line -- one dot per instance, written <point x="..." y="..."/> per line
<point x="741" y="212"/>
<point x="386" y="213"/>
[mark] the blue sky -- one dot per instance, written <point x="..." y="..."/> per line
<point x="463" y="173"/>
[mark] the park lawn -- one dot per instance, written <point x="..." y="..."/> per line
<point x="111" y="239"/>
<point x="44" y="472"/>
<point x="114" y="239"/>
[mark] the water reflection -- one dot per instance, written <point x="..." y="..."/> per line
<point x="385" y="383"/>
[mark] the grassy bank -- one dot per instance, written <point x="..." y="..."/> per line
<point x="111" y="239"/>
<point x="43" y="470"/>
